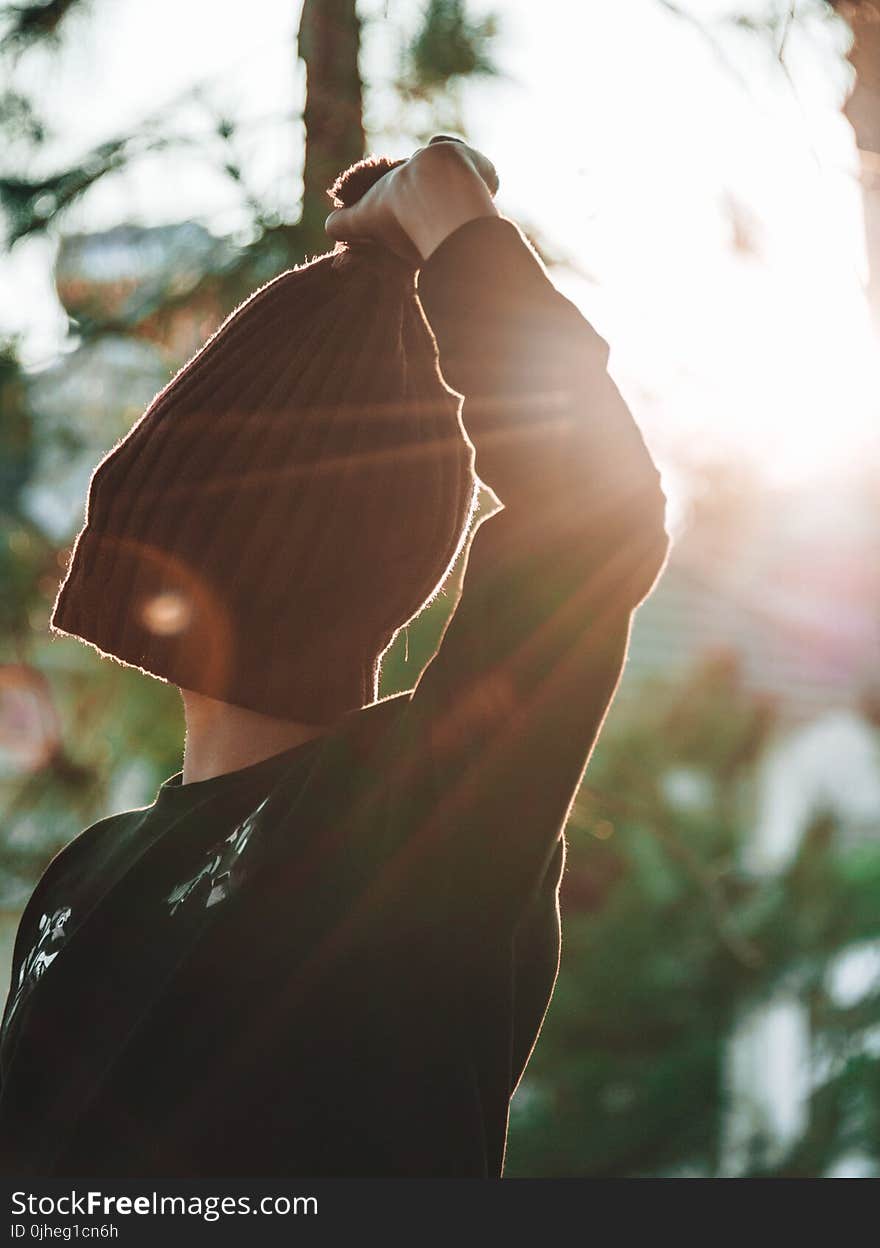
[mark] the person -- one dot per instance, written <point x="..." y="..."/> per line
<point x="327" y="947"/>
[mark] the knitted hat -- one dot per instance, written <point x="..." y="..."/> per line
<point x="293" y="496"/>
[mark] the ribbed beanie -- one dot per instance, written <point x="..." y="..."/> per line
<point x="292" y="498"/>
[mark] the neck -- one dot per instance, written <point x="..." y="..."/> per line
<point x="222" y="738"/>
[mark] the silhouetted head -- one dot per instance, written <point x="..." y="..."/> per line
<point x="292" y="497"/>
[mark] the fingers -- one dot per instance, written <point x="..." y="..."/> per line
<point x="482" y="164"/>
<point x="348" y="225"/>
<point x="371" y="219"/>
<point x="487" y="172"/>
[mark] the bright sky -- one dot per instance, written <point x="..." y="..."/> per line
<point x="623" y="134"/>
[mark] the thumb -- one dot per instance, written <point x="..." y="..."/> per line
<point x="357" y="222"/>
<point x="339" y="224"/>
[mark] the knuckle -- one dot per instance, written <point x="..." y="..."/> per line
<point x="442" y="156"/>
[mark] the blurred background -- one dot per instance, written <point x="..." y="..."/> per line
<point x="703" y="179"/>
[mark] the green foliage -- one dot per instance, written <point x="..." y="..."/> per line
<point x="23" y="551"/>
<point x="28" y="24"/>
<point x="30" y="205"/>
<point x="19" y="121"/>
<point x="451" y="45"/>
<point x="665" y="941"/>
<point x="16" y="432"/>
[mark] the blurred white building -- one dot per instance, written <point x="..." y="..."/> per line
<point x="830" y="766"/>
<point x="792" y="589"/>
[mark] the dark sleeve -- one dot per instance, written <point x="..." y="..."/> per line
<point x="496" y="736"/>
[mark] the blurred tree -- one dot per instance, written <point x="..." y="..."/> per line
<point x="32" y="23"/>
<point x="447" y="49"/>
<point x="863" y="112"/>
<point x="863" y="105"/>
<point x="329" y="43"/>
<point x="20" y="553"/>
<point x="126" y="331"/>
<point x="667" y="941"/>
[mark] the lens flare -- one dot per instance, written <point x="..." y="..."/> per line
<point x="167" y="613"/>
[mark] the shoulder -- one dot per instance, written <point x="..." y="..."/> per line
<point x="75" y="860"/>
<point x="69" y="869"/>
<point x="79" y="852"/>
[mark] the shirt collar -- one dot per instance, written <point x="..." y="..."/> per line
<point x="174" y="793"/>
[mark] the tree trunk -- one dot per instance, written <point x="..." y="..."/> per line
<point x="329" y="42"/>
<point x="863" y="111"/>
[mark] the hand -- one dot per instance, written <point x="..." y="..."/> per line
<point x="412" y="209"/>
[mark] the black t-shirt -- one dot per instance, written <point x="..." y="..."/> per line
<point x="248" y="985"/>
<point x="336" y="961"/>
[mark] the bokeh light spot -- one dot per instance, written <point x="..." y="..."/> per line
<point x="167" y="613"/>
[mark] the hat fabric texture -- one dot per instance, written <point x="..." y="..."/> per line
<point x="293" y="497"/>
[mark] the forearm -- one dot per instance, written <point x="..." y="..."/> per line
<point x="514" y="699"/>
<point x="554" y="439"/>
<point x="502" y="721"/>
<point x="542" y="411"/>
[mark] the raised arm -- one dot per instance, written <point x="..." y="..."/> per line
<point x="493" y="744"/>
